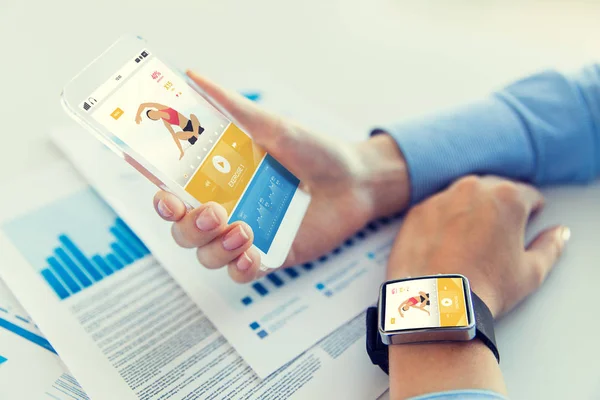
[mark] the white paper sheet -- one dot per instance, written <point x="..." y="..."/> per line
<point x="121" y="323"/>
<point x="29" y="367"/>
<point x="533" y="328"/>
<point x="265" y="321"/>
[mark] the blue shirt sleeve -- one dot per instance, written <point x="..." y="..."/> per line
<point x="462" y="395"/>
<point x="544" y="129"/>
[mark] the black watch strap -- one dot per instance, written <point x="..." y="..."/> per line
<point x="378" y="351"/>
<point x="484" y="322"/>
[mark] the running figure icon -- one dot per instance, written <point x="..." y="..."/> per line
<point x="419" y="302"/>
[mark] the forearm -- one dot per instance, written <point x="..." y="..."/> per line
<point x="544" y="129"/>
<point x="140" y="109"/>
<point x="428" y="368"/>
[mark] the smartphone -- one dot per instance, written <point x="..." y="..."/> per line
<point x="159" y="121"/>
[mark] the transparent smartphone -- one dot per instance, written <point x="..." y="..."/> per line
<point x="160" y="122"/>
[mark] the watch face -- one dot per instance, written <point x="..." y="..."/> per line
<point x="425" y="303"/>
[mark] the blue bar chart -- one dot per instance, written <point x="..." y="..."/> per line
<point x="30" y="334"/>
<point x="277" y="279"/>
<point x="15" y="319"/>
<point x="75" y="242"/>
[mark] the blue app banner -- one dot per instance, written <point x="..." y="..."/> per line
<point x="266" y="201"/>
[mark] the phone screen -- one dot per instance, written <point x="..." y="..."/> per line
<point x="158" y="115"/>
<point x="425" y="303"/>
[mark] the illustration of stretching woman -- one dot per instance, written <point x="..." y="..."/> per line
<point x="190" y="127"/>
<point x="418" y="302"/>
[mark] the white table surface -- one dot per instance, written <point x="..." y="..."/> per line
<point x="365" y="61"/>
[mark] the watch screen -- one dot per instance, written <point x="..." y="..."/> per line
<point x="425" y="303"/>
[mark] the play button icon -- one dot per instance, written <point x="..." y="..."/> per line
<point x="221" y="164"/>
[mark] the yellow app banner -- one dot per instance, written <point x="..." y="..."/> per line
<point x="227" y="169"/>
<point x="451" y="302"/>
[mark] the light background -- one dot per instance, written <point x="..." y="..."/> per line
<point x="368" y="62"/>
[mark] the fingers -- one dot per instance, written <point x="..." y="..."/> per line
<point x="218" y="244"/>
<point x="200" y="226"/>
<point x="543" y="252"/>
<point x="296" y="148"/>
<point x="519" y="193"/>
<point x="245" y="268"/>
<point x="227" y="247"/>
<point x="532" y="198"/>
<point x="259" y="122"/>
<point x="168" y="206"/>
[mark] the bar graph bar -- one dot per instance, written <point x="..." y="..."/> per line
<point x="276" y="280"/>
<point x="62" y="273"/>
<point x="55" y="284"/>
<point x="100" y="263"/>
<point x="80" y="258"/>
<point x="114" y="262"/>
<point x="308" y="266"/>
<point x="122" y="254"/>
<point x="372" y="226"/>
<point x="260" y="289"/>
<point x="32" y="337"/>
<point x="132" y="238"/>
<point x="73" y="268"/>
<point x="75" y="242"/>
<point x="291" y="272"/>
<point x="129" y="245"/>
<point x="247" y="300"/>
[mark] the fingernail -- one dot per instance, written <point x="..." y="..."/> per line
<point x="207" y="220"/>
<point x="235" y="238"/>
<point x="244" y="262"/>
<point x="164" y="210"/>
<point x="565" y="234"/>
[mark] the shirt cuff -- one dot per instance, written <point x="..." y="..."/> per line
<point x="475" y="139"/>
<point x="462" y="395"/>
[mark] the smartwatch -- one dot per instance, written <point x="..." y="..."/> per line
<point x="436" y="308"/>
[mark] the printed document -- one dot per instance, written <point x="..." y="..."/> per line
<point x="121" y="323"/>
<point x="29" y="366"/>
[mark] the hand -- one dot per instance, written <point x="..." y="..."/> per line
<point x="138" y="119"/>
<point x="350" y="185"/>
<point x="181" y="155"/>
<point x="477" y="228"/>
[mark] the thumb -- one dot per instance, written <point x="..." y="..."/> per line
<point x="543" y="252"/>
<point x="258" y="123"/>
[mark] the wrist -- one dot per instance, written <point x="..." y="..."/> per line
<point x="384" y="175"/>
<point x="456" y="365"/>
